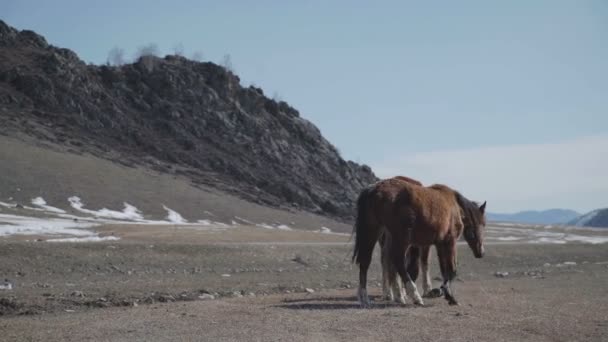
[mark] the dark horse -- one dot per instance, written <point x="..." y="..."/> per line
<point x="391" y="285"/>
<point x="411" y="215"/>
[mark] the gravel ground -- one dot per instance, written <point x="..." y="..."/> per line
<point x="257" y="284"/>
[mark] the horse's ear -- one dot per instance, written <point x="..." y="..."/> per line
<point x="482" y="208"/>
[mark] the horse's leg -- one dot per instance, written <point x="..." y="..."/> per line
<point x="392" y="286"/>
<point x="387" y="290"/>
<point x="446" y="252"/>
<point x="398" y="250"/>
<point x="399" y="289"/>
<point x="366" y="251"/>
<point x="363" y="267"/>
<point x="427" y="286"/>
<point x="412" y="261"/>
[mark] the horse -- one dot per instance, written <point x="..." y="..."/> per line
<point x="393" y="285"/>
<point x="415" y="216"/>
<point x="417" y="257"/>
<point x="418" y="262"/>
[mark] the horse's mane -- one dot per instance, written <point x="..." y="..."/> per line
<point x="469" y="208"/>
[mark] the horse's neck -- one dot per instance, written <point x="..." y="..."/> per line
<point x="466" y="208"/>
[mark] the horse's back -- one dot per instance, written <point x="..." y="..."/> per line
<point x="426" y="209"/>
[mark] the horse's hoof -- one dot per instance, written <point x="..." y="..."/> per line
<point x="419" y="303"/>
<point x="434" y="293"/>
<point x="453" y="302"/>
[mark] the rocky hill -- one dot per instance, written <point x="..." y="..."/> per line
<point x="175" y="116"/>
<point x="595" y="218"/>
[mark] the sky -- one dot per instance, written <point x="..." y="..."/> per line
<point x="504" y="101"/>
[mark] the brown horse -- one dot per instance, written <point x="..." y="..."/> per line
<point x="417" y="257"/>
<point x="418" y="262"/>
<point x="392" y="288"/>
<point x="413" y="215"/>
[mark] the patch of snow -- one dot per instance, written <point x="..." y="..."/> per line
<point x="549" y="240"/>
<point x="204" y="222"/>
<point x="244" y="220"/>
<point x="7" y="205"/>
<point x="508" y="238"/>
<point x="174" y="216"/>
<point x="40" y="202"/>
<point x="268" y="226"/>
<point x="325" y="230"/>
<point x="549" y="234"/>
<point x="128" y="213"/>
<point x="85" y="239"/>
<point x="587" y="239"/>
<point x="22" y="225"/>
<point x="284" y="227"/>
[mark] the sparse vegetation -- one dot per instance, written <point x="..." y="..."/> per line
<point x="227" y="63"/>
<point x="116" y="56"/>
<point x="178" y="49"/>
<point x="146" y="54"/>
<point x="147" y="50"/>
<point x="197" y="56"/>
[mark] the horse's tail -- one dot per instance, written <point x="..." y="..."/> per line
<point x="360" y="228"/>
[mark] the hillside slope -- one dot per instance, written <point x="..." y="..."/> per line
<point x="175" y="116"/>
<point x="29" y="169"/>
<point x="595" y="218"/>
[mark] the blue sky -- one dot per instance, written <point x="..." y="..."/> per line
<point x="468" y="87"/>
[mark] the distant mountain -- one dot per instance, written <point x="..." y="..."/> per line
<point x="551" y="216"/>
<point x="595" y="218"/>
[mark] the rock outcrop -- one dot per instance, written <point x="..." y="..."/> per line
<point x="174" y="115"/>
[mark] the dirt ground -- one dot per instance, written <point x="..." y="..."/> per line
<point x="254" y="284"/>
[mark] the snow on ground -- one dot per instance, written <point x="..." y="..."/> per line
<point x="508" y="238"/>
<point x="276" y="226"/>
<point x="244" y="220"/>
<point x="71" y="228"/>
<point x="40" y="202"/>
<point x="22" y="225"/>
<point x="6" y="205"/>
<point x="85" y="239"/>
<point x="545" y="234"/>
<point x="174" y="216"/>
<point x="64" y="224"/>
<point x="128" y="213"/>
<point x="586" y="239"/>
<point x="325" y="230"/>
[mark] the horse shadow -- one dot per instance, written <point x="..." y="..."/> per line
<point x="335" y="303"/>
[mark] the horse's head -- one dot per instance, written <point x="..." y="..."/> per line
<point x="474" y="225"/>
